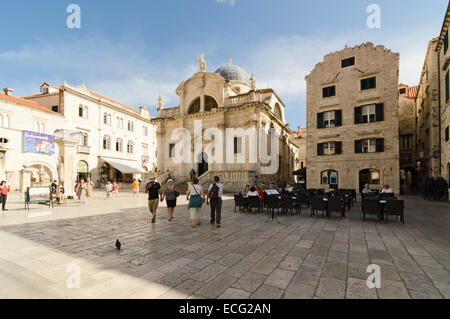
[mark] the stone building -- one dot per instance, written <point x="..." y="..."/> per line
<point x="92" y="136"/>
<point x="443" y="53"/>
<point x="225" y="100"/>
<point x="408" y="137"/>
<point x="35" y="163"/>
<point x="353" y="124"/>
<point x="299" y="139"/>
<point x="427" y="112"/>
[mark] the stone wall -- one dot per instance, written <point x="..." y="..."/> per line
<point x="370" y="61"/>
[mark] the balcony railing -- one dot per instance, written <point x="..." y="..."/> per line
<point x="69" y="136"/>
<point x="82" y="149"/>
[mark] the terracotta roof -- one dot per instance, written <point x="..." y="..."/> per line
<point x="24" y="102"/>
<point x="113" y="101"/>
<point x="39" y="94"/>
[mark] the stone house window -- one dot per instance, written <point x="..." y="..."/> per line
<point x="130" y="147"/>
<point x="329" y="119"/>
<point x="447" y="87"/>
<point x="369" y="113"/>
<point x="329" y="148"/>
<point x="348" y="62"/>
<point x="329" y="91"/>
<point x="130" y="126"/>
<point x="145" y="131"/>
<point x="119" y="145"/>
<point x="369" y="83"/>
<point x="329" y="177"/>
<point x="446" y="42"/>
<point x="83" y="111"/>
<point x="106" y="142"/>
<point x="447" y="134"/>
<point x="5" y="121"/>
<point x="406" y="143"/>
<point x="369" y="145"/>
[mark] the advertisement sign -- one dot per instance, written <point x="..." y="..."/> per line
<point x="38" y="143"/>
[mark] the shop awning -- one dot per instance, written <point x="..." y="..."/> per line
<point x="124" y="166"/>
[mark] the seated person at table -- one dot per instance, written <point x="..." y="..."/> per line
<point x="260" y="191"/>
<point x="276" y="188"/>
<point x="387" y="190"/>
<point x="330" y="190"/>
<point x="367" y="190"/>
<point x="253" y="192"/>
<point x="246" y="190"/>
<point x="289" y="188"/>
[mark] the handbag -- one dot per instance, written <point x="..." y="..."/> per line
<point x="196" y="201"/>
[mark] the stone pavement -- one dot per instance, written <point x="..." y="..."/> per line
<point x="303" y="257"/>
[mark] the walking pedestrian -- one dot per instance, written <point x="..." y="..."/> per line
<point x="115" y="190"/>
<point x="192" y="174"/>
<point x="108" y="189"/>
<point x="4" y="190"/>
<point x="81" y="192"/>
<point x="214" y="196"/>
<point x="90" y="187"/>
<point x="196" y="198"/>
<point x="170" y="194"/>
<point x="153" y="189"/>
<point x="136" y="185"/>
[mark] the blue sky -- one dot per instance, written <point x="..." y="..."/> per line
<point x="134" y="50"/>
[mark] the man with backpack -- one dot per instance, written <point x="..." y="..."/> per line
<point x="215" y="193"/>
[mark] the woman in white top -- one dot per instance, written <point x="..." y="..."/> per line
<point x="253" y="192"/>
<point x="196" y="198"/>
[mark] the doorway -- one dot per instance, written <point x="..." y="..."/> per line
<point x="203" y="165"/>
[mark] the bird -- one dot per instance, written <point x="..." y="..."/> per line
<point x="118" y="244"/>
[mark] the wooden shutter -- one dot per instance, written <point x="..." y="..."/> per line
<point x="358" y="115"/>
<point x="379" y="112"/>
<point x="358" y="146"/>
<point x="338" y="118"/>
<point x="319" y="120"/>
<point x="319" y="149"/>
<point x="380" y="145"/>
<point x="338" y="148"/>
<point x="447" y="87"/>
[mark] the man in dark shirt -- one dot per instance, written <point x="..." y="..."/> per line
<point x="154" y="195"/>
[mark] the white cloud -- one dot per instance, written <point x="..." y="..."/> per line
<point x="231" y="2"/>
<point x="135" y="75"/>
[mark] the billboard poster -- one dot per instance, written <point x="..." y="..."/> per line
<point x="38" y="143"/>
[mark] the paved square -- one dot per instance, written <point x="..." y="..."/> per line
<point x="303" y="257"/>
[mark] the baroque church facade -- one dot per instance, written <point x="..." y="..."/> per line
<point x="223" y="100"/>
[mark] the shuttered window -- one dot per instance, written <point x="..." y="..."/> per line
<point x="447" y="87"/>
<point x="329" y="119"/>
<point x="446" y="42"/>
<point x="329" y="91"/>
<point x="367" y="84"/>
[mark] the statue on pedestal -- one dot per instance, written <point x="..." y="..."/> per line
<point x="202" y="62"/>
<point x="253" y="82"/>
<point x="160" y="103"/>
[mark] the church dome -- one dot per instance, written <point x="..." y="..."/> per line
<point x="233" y="73"/>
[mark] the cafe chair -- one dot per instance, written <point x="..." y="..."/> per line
<point x="395" y="208"/>
<point x="371" y="206"/>
<point x="238" y="202"/>
<point x="318" y="204"/>
<point x="336" y="204"/>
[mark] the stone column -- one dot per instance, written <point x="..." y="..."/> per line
<point x="25" y="179"/>
<point x="160" y="147"/>
<point x="202" y="103"/>
<point x="67" y="151"/>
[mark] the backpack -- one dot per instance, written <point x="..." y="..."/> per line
<point x="214" y="191"/>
